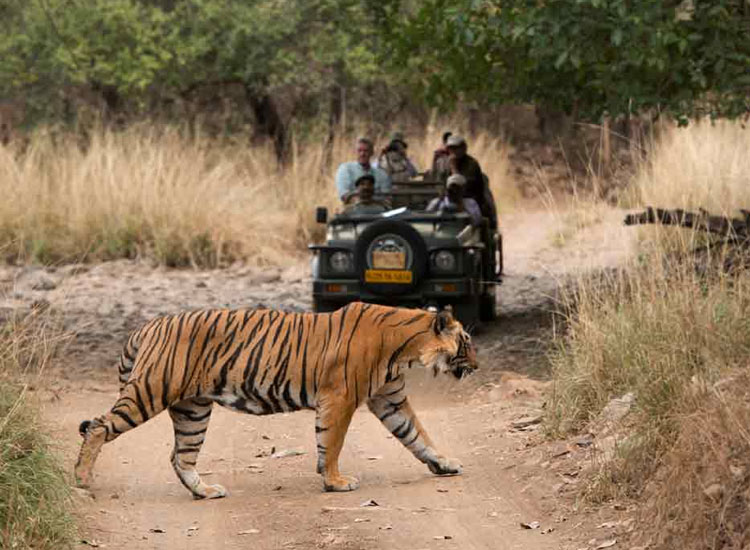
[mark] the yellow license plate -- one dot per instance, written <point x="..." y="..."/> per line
<point x="396" y="276"/>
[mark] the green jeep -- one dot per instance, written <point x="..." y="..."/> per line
<point x="408" y="257"/>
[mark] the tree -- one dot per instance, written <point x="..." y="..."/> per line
<point x="591" y="57"/>
<point x="136" y="55"/>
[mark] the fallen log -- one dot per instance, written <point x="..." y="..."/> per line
<point x="733" y="230"/>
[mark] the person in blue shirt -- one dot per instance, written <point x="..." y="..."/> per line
<point x="349" y="172"/>
<point x="454" y="200"/>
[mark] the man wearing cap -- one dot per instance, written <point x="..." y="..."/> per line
<point x="394" y="161"/>
<point x="349" y="172"/>
<point x="460" y="162"/>
<point x="363" y="199"/>
<point x="440" y="157"/>
<point x="454" y="200"/>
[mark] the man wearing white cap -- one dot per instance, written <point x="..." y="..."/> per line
<point x="454" y="200"/>
<point x="460" y="162"/>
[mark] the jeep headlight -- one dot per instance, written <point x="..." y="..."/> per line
<point x="444" y="260"/>
<point x="340" y="262"/>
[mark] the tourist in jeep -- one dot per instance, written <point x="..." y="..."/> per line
<point x="440" y="160"/>
<point x="477" y="188"/>
<point x="349" y="172"/>
<point x="394" y="161"/>
<point x="454" y="200"/>
<point x="363" y="199"/>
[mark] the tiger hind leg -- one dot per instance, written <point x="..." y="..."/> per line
<point x="391" y="406"/>
<point x="190" y="419"/>
<point x="331" y="423"/>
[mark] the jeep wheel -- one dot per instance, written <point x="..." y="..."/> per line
<point x="499" y="267"/>
<point x="487" y="307"/>
<point x="468" y="312"/>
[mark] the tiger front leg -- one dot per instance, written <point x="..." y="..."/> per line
<point x="391" y="406"/>
<point x="331" y="423"/>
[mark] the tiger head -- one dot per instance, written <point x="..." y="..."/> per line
<point x="450" y="350"/>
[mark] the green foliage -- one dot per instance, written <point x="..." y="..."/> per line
<point x="40" y="251"/>
<point x="583" y="56"/>
<point x="586" y="57"/>
<point x="138" y="54"/>
<point x="33" y="492"/>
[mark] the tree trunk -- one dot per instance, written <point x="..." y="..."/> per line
<point x="553" y="124"/>
<point x="269" y="122"/>
<point x="337" y="105"/>
<point x="11" y="115"/>
<point x="605" y="151"/>
<point x="113" y="103"/>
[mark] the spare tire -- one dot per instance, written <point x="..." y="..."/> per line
<point x="401" y="241"/>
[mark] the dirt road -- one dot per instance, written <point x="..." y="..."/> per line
<point x="511" y="476"/>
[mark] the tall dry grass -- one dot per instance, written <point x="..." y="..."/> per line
<point x="677" y="335"/>
<point x="153" y="192"/>
<point x="34" y="494"/>
<point x="706" y="165"/>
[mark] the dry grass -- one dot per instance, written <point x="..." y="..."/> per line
<point x="34" y="494"/>
<point x="679" y="339"/>
<point x="705" y="165"/>
<point x="700" y="498"/>
<point x="580" y="215"/>
<point x="152" y="192"/>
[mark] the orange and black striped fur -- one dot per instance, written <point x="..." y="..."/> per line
<point x="263" y="362"/>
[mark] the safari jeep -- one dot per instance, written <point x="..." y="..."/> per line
<point x="407" y="257"/>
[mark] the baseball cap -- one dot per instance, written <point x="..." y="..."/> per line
<point x="455" y="141"/>
<point x="364" y="177"/>
<point x="455" y="179"/>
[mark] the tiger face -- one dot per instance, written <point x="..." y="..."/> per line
<point x="452" y="351"/>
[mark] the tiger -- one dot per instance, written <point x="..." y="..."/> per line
<point x="263" y="361"/>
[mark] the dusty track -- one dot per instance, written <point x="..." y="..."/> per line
<point x="136" y="501"/>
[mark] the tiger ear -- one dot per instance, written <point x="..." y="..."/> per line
<point x="442" y="320"/>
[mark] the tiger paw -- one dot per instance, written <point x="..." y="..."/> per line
<point x="340" y="484"/>
<point x="445" y="467"/>
<point x="211" y="491"/>
<point x="82" y="479"/>
<point x="82" y="483"/>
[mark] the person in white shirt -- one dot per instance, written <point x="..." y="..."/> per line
<point x="349" y="172"/>
<point x="454" y="200"/>
<point x="394" y="160"/>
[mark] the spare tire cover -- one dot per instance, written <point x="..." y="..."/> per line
<point x="400" y="240"/>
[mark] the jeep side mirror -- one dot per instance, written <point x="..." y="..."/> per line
<point x="321" y="214"/>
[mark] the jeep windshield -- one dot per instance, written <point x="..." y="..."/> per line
<point x="427" y="224"/>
